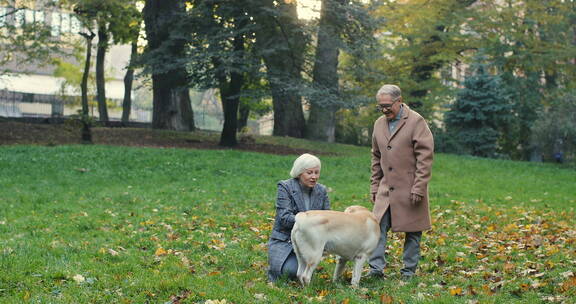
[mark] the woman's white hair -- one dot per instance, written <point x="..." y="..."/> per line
<point x="303" y="162"/>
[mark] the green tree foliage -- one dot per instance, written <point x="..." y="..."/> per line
<point x="531" y="43"/>
<point x="254" y="100"/>
<point x="344" y="27"/>
<point x="165" y="59"/>
<point x="555" y="128"/>
<point x="479" y="114"/>
<point x="117" y="18"/>
<point x="94" y="15"/>
<point x="323" y="106"/>
<point x="221" y="38"/>
<point x="282" y="42"/>
<point x="125" y="29"/>
<point x="418" y="39"/>
<point x="415" y="41"/>
<point x="355" y="125"/>
<point x="22" y="41"/>
<point x="73" y="76"/>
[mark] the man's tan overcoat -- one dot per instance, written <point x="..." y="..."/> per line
<point x="401" y="165"/>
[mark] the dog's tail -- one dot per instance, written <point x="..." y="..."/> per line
<point x="295" y="230"/>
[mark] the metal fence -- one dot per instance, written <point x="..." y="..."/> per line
<point x="207" y="115"/>
<point x="20" y="104"/>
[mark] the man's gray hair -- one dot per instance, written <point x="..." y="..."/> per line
<point x="303" y="162"/>
<point x="390" y="89"/>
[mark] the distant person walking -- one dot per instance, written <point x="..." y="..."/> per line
<point x="300" y="193"/>
<point x="402" y="154"/>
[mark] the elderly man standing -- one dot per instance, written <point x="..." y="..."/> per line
<point x="402" y="153"/>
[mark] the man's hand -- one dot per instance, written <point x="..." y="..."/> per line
<point x="415" y="198"/>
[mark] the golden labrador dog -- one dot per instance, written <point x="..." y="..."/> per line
<point x="352" y="235"/>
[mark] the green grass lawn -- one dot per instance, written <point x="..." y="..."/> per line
<point x="103" y="224"/>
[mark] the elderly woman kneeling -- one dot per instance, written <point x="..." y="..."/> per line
<point x="300" y="193"/>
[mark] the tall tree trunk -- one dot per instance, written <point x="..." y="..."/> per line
<point x="174" y="112"/>
<point x="128" y="79"/>
<point x="323" y="106"/>
<point x="186" y="117"/>
<point x="230" y="102"/>
<point x="100" y="77"/>
<point x="85" y="119"/>
<point x="171" y="100"/>
<point x="243" y="113"/>
<point x="230" y="95"/>
<point x="282" y="43"/>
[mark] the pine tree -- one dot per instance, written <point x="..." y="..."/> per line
<point x="480" y="113"/>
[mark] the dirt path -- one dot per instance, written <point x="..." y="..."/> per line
<point x="12" y="133"/>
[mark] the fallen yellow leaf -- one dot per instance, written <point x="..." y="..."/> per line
<point x="455" y="291"/>
<point x="386" y="299"/>
<point x="160" y="252"/>
<point x="568" y="284"/>
<point x="487" y="290"/>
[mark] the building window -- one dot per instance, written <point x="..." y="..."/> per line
<point x="65" y="25"/>
<point x="29" y="16"/>
<point x="19" y="18"/>
<point x="39" y="17"/>
<point x="55" y="24"/>
<point x="75" y="25"/>
<point x="3" y="12"/>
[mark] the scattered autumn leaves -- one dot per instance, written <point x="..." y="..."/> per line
<point x="474" y="251"/>
<point x="481" y="249"/>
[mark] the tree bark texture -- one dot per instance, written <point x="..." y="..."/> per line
<point x="100" y="74"/>
<point x="86" y="73"/>
<point x="230" y="95"/>
<point x="174" y="112"/>
<point x="321" y="123"/>
<point x="86" y="132"/>
<point x="171" y="100"/>
<point x="243" y="114"/>
<point x="128" y="80"/>
<point x="230" y="102"/>
<point x="282" y="44"/>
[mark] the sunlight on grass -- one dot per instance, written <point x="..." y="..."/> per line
<point x="105" y="224"/>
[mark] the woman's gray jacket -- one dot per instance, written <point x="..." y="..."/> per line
<point x="289" y="202"/>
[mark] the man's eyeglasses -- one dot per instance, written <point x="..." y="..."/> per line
<point x="382" y="107"/>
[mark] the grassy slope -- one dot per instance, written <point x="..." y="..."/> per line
<point x="143" y="224"/>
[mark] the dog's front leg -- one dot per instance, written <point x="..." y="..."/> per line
<point x="340" y="265"/>
<point x="358" y="264"/>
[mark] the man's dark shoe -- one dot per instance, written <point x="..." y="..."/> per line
<point x="407" y="277"/>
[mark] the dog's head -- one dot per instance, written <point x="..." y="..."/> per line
<point x="356" y="208"/>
